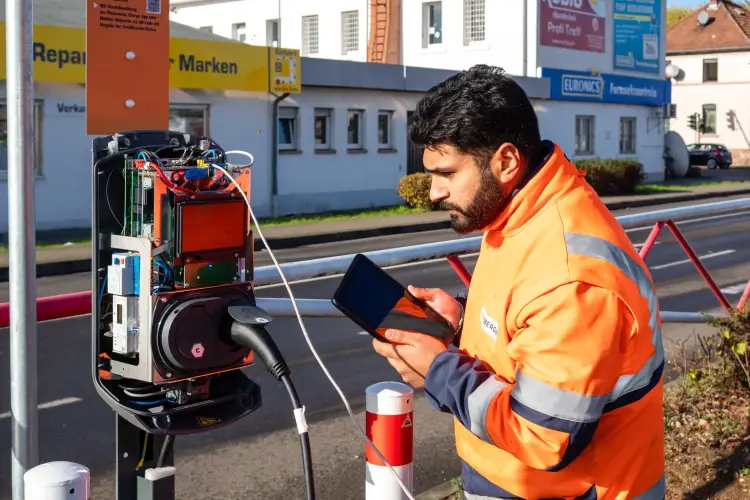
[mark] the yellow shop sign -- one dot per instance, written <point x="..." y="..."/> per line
<point x="59" y="55"/>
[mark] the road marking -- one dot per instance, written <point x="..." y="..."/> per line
<point x="46" y="406"/>
<point x="690" y="221"/>
<point x="680" y="262"/>
<point x="734" y="289"/>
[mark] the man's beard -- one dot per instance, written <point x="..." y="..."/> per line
<point x="483" y="209"/>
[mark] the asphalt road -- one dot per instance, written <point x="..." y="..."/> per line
<point x="258" y="458"/>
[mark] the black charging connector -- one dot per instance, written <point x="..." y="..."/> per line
<point x="249" y="330"/>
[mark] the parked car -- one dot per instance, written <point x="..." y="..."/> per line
<point x="711" y="155"/>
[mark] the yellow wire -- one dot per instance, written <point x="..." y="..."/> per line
<point x="143" y="456"/>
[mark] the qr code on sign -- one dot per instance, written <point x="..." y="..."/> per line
<point x="153" y="6"/>
<point x="650" y="46"/>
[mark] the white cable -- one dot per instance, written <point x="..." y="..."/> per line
<point x="244" y="153"/>
<point x="307" y="337"/>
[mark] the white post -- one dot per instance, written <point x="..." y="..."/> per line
<point x="58" y="481"/>
<point x="389" y="408"/>
<point x="22" y="240"/>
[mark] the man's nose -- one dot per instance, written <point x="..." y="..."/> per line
<point x="438" y="193"/>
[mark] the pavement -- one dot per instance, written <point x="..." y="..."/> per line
<point x="258" y="457"/>
<point x="63" y="260"/>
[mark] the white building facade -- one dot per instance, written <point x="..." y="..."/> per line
<point x="333" y="29"/>
<point x="604" y="59"/>
<point x="714" y="78"/>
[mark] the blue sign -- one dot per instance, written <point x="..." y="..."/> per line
<point x="637" y="29"/>
<point x="617" y="89"/>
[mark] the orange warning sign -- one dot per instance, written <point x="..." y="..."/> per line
<point x="127" y="66"/>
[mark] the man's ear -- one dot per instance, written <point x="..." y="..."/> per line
<point x="506" y="163"/>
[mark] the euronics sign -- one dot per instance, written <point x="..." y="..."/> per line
<point x="59" y="55"/>
<point x="581" y="86"/>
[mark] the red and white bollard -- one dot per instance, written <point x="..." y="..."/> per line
<point x="390" y="427"/>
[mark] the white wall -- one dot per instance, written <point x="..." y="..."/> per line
<point x="730" y="92"/>
<point x="63" y="191"/>
<point x="557" y="123"/>
<point x="502" y="44"/>
<point x="313" y="181"/>
<point x="221" y="15"/>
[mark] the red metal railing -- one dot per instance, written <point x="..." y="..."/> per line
<point x="54" y="307"/>
<point x="651" y="240"/>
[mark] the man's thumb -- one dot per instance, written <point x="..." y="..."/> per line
<point x="423" y="293"/>
<point x="402" y="337"/>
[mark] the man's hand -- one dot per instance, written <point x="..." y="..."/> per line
<point x="412" y="356"/>
<point x="440" y="300"/>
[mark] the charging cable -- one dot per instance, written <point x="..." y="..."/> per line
<point x="302" y="323"/>
<point x="255" y="336"/>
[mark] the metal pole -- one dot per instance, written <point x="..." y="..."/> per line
<point x="22" y="241"/>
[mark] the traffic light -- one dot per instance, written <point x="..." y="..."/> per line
<point x="730" y="119"/>
<point x="693" y="121"/>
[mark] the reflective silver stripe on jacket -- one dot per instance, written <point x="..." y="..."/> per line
<point x="478" y="402"/>
<point x="571" y="406"/>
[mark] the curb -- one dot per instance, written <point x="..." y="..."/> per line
<point x="49" y="269"/>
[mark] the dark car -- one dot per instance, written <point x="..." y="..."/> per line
<point x="710" y="155"/>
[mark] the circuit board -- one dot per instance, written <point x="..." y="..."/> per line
<point x="161" y="203"/>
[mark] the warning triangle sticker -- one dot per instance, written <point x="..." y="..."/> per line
<point x="407" y="421"/>
<point x="207" y="420"/>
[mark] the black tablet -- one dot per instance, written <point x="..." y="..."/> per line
<point x="376" y="302"/>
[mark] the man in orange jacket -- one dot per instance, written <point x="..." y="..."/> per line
<point x="555" y="376"/>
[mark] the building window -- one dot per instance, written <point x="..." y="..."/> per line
<point x="627" y="136"/>
<point x="584" y="135"/>
<point x="710" y="70"/>
<point x="189" y="119"/>
<point x="207" y="29"/>
<point x="349" y="32"/>
<point x="709" y="119"/>
<point x="432" y="24"/>
<point x="473" y="21"/>
<point x="287" y="128"/>
<point x="385" y="140"/>
<point x="239" y="32"/>
<point x="37" y="141"/>
<point x="309" y="35"/>
<point x="354" y="130"/>
<point x="322" y="129"/>
<point x="272" y="33"/>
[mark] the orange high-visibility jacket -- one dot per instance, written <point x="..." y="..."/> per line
<point x="556" y="383"/>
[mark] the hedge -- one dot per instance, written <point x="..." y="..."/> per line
<point x="611" y="177"/>
<point x="608" y="177"/>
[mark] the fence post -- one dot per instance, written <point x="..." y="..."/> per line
<point x="389" y="408"/>
<point x="58" y="481"/>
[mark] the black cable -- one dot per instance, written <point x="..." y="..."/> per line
<point x="257" y="338"/>
<point x="168" y="440"/>
<point x="304" y="439"/>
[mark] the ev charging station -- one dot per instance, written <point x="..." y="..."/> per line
<point x="174" y="315"/>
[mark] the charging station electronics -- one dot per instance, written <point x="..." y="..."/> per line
<point x="174" y="313"/>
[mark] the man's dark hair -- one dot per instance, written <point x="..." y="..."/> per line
<point x="476" y="111"/>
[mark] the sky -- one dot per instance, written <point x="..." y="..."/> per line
<point x="684" y="3"/>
